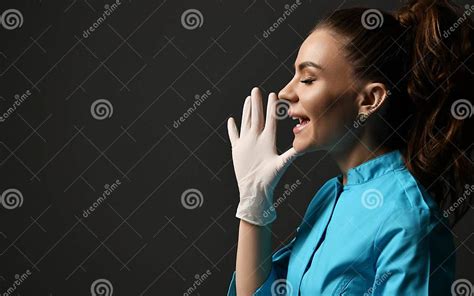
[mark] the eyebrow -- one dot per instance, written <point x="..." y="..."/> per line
<point x="309" y="64"/>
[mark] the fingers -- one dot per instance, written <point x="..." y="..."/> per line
<point x="252" y="113"/>
<point x="257" y="109"/>
<point x="232" y="130"/>
<point x="246" y="119"/>
<point x="270" y="123"/>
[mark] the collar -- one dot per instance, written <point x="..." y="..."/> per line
<point x="373" y="168"/>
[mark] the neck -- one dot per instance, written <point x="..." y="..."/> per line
<point x="354" y="156"/>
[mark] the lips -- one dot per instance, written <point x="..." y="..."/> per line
<point x="303" y="121"/>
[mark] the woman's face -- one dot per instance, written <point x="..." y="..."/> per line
<point x="321" y="91"/>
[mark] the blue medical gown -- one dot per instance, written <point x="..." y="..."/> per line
<point x="380" y="234"/>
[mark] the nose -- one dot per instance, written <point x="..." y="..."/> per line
<point x="288" y="93"/>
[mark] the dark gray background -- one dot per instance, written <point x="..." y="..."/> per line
<point x="142" y="239"/>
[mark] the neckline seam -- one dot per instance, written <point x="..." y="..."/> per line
<point x="391" y="171"/>
<point x="372" y="161"/>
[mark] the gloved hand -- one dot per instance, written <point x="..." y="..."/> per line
<point x="257" y="166"/>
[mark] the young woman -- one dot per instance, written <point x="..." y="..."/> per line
<point x="388" y="102"/>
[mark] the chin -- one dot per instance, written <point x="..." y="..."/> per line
<point x="303" y="145"/>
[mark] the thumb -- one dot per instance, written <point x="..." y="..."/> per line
<point x="287" y="158"/>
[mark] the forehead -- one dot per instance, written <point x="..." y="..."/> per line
<point x="324" y="49"/>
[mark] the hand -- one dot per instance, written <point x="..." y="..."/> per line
<point x="258" y="168"/>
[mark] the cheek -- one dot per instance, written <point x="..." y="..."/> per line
<point x="329" y="128"/>
<point x="330" y="115"/>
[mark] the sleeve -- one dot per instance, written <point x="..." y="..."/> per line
<point x="415" y="255"/>
<point x="279" y="269"/>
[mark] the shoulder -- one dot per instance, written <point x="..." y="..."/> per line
<point x="397" y="201"/>
<point x="401" y="193"/>
<point x="409" y="211"/>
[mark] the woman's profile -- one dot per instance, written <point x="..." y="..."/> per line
<point x="383" y="100"/>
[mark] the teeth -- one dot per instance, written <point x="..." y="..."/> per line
<point x="299" y="119"/>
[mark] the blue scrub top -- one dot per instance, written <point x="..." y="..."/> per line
<point x="380" y="234"/>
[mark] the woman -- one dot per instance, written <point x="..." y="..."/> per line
<point x="383" y="100"/>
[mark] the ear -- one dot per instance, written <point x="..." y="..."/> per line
<point x="371" y="97"/>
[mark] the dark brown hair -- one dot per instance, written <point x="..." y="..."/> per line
<point x="423" y="54"/>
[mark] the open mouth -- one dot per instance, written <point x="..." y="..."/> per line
<point x="303" y="121"/>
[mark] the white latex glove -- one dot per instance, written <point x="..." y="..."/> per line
<point x="257" y="166"/>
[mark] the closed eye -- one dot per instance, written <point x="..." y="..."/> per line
<point x="307" y="81"/>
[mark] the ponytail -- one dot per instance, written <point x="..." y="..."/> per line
<point x="439" y="151"/>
